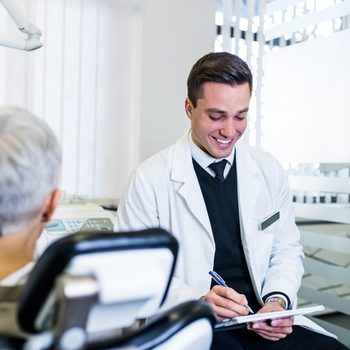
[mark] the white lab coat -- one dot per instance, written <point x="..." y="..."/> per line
<point x="164" y="192"/>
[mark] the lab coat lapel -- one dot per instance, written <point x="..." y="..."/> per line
<point x="248" y="185"/>
<point x="189" y="189"/>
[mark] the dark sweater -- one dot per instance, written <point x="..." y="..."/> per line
<point x="221" y="201"/>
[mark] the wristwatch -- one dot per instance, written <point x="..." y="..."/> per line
<point x="278" y="300"/>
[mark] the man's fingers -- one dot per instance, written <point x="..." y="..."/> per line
<point x="275" y="334"/>
<point x="231" y="294"/>
<point x="275" y="329"/>
<point x="225" y="308"/>
<point x="268" y="336"/>
<point x="282" y="322"/>
<point x="223" y="312"/>
<point x="233" y="300"/>
<point x="270" y="325"/>
<point x="226" y="302"/>
<point x="266" y="327"/>
<point x="270" y="332"/>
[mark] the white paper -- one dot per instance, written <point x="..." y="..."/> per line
<point x="268" y="316"/>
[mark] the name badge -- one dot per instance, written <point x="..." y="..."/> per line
<point x="265" y="224"/>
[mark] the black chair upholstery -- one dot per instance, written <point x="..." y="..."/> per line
<point x="57" y="257"/>
<point x="8" y="342"/>
<point x="48" y="311"/>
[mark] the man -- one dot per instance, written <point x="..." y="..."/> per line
<point x="230" y="208"/>
<point x="30" y="161"/>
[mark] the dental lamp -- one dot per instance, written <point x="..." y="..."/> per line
<point x="32" y="42"/>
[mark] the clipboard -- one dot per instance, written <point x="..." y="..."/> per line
<point x="241" y="321"/>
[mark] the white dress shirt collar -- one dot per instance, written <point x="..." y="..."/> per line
<point x="204" y="159"/>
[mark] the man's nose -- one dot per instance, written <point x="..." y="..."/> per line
<point x="228" y="128"/>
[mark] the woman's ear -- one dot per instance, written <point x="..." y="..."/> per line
<point x="50" y="205"/>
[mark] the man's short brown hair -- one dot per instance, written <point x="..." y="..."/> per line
<point x="218" y="67"/>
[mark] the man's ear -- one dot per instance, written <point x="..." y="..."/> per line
<point x="188" y="107"/>
<point x="50" y="205"/>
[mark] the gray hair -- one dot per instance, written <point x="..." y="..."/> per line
<point x="30" y="162"/>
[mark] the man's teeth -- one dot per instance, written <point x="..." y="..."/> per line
<point x="224" y="142"/>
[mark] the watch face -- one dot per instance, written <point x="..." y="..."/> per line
<point x="278" y="300"/>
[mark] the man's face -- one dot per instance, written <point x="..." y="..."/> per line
<point x="220" y="117"/>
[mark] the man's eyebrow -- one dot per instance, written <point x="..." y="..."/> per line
<point x="217" y="110"/>
<point x="243" y="110"/>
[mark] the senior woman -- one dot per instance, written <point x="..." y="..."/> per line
<point x="30" y="162"/>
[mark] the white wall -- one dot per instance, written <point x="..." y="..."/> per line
<point x="83" y="83"/>
<point x="110" y="80"/>
<point x="175" y="35"/>
<point x="307" y="101"/>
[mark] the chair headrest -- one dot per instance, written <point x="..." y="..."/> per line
<point x="58" y="258"/>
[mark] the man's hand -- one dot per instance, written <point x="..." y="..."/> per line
<point x="275" y="329"/>
<point x="226" y="302"/>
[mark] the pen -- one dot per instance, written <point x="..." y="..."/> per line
<point x="219" y="280"/>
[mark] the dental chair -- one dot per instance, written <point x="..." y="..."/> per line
<point x="96" y="291"/>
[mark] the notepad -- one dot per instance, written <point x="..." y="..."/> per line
<point x="239" y="320"/>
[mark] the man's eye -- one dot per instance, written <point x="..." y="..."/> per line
<point x="215" y="116"/>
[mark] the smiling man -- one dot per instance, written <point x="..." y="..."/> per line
<point x="219" y="117"/>
<point x="230" y="208"/>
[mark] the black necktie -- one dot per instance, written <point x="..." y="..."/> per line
<point x="218" y="169"/>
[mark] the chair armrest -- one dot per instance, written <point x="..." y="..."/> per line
<point x="162" y="327"/>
